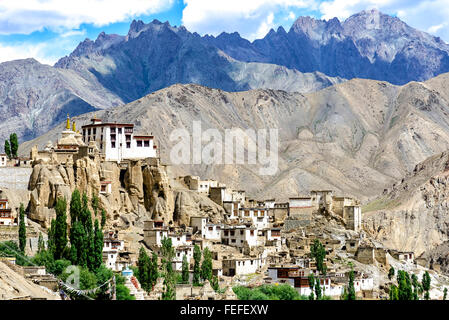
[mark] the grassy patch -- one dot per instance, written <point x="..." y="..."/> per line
<point x="380" y="204"/>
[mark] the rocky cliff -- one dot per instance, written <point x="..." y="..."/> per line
<point x="413" y="214"/>
<point x="140" y="190"/>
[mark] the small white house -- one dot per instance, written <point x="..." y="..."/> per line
<point x="178" y="239"/>
<point x="212" y="232"/>
<point x="111" y="249"/>
<point x="258" y="216"/>
<point x="241" y="266"/>
<point x="180" y="252"/>
<point x="237" y="236"/>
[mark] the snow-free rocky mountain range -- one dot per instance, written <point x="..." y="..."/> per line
<point x="114" y="70"/>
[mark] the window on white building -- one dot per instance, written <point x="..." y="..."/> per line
<point x="139" y="143"/>
<point x="146" y="143"/>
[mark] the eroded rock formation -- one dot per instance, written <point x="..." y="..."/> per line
<point x="136" y="191"/>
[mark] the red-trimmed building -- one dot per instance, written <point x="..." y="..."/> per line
<point x="6" y="217"/>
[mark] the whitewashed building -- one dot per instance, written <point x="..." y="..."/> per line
<point x="117" y="141"/>
<point x="237" y="236"/>
<point x="208" y="231"/>
<point x="180" y="252"/>
<point x="241" y="266"/>
<point x="258" y="216"/>
<point x="178" y="239"/>
<point x="112" y="247"/>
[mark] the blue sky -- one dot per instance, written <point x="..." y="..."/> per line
<point x="49" y="29"/>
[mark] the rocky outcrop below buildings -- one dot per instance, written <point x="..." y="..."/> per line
<point x="130" y="192"/>
<point x="15" y="286"/>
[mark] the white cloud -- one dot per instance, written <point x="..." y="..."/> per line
<point x="436" y="28"/>
<point x="265" y="26"/>
<point x="426" y="15"/>
<point x="24" y="51"/>
<point x="72" y="33"/>
<point x="248" y="17"/>
<point x="47" y="52"/>
<point x="26" y="16"/>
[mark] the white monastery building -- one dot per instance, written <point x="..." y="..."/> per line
<point x="117" y="141"/>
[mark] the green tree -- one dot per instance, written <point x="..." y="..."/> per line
<point x="351" y="290"/>
<point x="103" y="218"/>
<point x="318" y="252"/>
<point x="78" y="252"/>
<point x="405" y="291"/>
<point x="40" y="243"/>
<point x="14" y="145"/>
<point x="196" y="265"/>
<point x="51" y="238"/>
<point x="121" y="291"/>
<point x="394" y="292"/>
<point x="206" y="266"/>
<point x="268" y="292"/>
<point x="185" y="270"/>
<point x="8" y="149"/>
<point x="426" y="285"/>
<point x="318" y="288"/>
<point x="154" y="270"/>
<point x="311" y="279"/>
<point x="103" y="274"/>
<point x="8" y="248"/>
<point x="75" y="207"/>
<point x="98" y="246"/>
<point x="214" y="283"/>
<point x="391" y="273"/>
<point x="444" y="293"/>
<point x="168" y="254"/>
<point x="22" y="229"/>
<point x="60" y="228"/>
<point x="143" y="264"/>
<point x="416" y="287"/>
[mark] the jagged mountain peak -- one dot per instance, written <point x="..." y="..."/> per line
<point x="315" y="29"/>
<point x="139" y="27"/>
